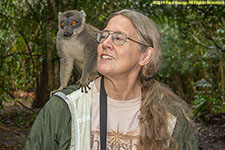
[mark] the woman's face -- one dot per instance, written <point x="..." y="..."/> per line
<point x="122" y="60"/>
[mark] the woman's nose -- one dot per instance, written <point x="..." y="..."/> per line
<point x="108" y="43"/>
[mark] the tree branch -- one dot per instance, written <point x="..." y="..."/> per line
<point x="13" y="97"/>
<point x="28" y="47"/>
<point x="9" y="130"/>
<point x="25" y="106"/>
<point x="211" y="39"/>
<point x="199" y="42"/>
<point x="217" y="45"/>
<point x="35" y="14"/>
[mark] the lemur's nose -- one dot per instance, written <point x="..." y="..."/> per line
<point x="67" y="34"/>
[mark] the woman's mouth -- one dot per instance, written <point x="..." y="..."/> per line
<point x="107" y="57"/>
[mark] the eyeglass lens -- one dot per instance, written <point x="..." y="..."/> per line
<point x="118" y="38"/>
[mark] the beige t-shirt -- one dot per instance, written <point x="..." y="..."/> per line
<point x="122" y="123"/>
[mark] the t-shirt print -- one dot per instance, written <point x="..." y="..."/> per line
<point x="122" y="123"/>
<point x="116" y="140"/>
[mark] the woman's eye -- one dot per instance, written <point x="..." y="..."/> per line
<point x="103" y="36"/>
<point x="119" y="38"/>
<point x="73" y="23"/>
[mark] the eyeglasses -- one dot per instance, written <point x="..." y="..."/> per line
<point x="118" y="38"/>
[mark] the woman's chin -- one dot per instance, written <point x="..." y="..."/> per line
<point x="104" y="70"/>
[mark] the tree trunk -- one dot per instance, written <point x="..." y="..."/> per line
<point x="47" y="70"/>
<point x="42" y="93"/>
<point x="222" y="75"/>
<point x="57" y="7"/>
<point x="56" y="58"/>
<point x="49" y="47"/>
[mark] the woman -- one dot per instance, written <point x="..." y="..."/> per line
<point x="142" y="113"/>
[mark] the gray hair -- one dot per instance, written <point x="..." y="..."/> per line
<point x="148" y="34"/>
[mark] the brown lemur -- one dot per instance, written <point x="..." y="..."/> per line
<point x="76" y="46"/>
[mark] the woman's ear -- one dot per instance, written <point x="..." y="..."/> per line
<point x="146" y="56"/>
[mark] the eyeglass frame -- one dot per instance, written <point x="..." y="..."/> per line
<point x="99" y="34"/>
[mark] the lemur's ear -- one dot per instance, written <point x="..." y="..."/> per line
<point x="59" y="14"/>
<point x="83" y="13"/>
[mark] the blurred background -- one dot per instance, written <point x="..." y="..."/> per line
<point x="192" y="41"/>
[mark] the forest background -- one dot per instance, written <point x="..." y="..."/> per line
<point x="192" y="41"/>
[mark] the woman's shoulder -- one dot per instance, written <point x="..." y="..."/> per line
<point x="68" y="95"/>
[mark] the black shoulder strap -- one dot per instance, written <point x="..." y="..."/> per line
<point x="103" y="115"/>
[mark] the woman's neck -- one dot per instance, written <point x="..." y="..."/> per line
<point x="121" y="89"/>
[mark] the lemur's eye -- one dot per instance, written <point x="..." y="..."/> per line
<point x="73" y="23"/>
<point x="62" y="24"/>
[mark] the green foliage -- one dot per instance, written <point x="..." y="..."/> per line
<point x="192" y="43"/>
<point x="204" y="101"/>
<point x="18" y="65"/>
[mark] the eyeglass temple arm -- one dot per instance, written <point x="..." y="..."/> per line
<point x="138" y="42"/>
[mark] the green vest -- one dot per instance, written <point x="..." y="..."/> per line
<point x="64" y="123"/>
